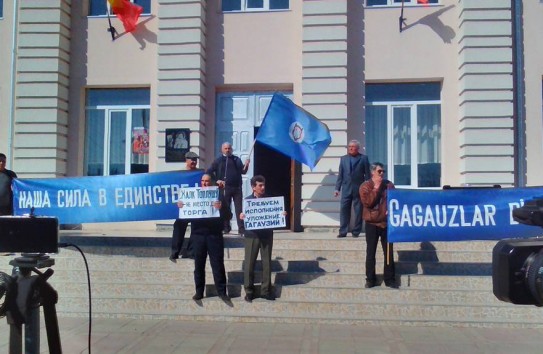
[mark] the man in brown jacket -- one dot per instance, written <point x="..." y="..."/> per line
<point x="373" y="194"/>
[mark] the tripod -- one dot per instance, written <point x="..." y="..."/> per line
<point x="24" y="297"/>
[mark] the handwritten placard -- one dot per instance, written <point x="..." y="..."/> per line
<point x="264" y="213"/>
<point x="199" y="203"/>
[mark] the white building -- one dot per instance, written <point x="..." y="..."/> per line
<point x="454" y="98"/>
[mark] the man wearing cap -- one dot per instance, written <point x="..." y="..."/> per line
<point x="180" y="226"/>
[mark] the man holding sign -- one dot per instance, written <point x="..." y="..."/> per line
<point x="260" y="215"/>
<point x="206" y="212"/>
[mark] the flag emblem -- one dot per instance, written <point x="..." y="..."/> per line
<point x="296" y="132"/>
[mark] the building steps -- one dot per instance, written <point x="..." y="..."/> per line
<point x="317" y="278"/>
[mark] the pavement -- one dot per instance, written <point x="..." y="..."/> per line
<point x="113" y="335"/>
<point x="194" y="337"/>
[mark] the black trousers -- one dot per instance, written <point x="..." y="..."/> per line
<point x="178" y="237"/>
<point x="234" y="193"/>
<point x="373" y="233"/>
<point x="211" y="244"/>
<point x="6" y="211"/>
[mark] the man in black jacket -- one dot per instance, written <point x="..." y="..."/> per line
<point x="227" y="170"/>
<point x="207" y="239"/>
<point x="6" y="194"/>
<point x="180" y="225"/>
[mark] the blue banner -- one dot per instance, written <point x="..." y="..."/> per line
<point x="458" y="214"/>
<point x="137" y="197"/>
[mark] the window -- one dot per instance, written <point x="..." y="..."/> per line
<point x="117" y="132"/>
<point x="254" y="5"/>
<point x="399" y="2"/>
<point x="403" y="131"/>
<point x="1" y="8"/>
<point x="99" y="7"/>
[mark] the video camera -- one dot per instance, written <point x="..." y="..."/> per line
<point x="23" y="234"/>
<point x="517" y="264"/>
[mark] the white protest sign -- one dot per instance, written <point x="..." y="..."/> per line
<point x="264" y="213"/>
<point x="198" y="203"/>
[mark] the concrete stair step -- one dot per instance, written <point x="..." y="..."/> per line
<point x="318" y="266"/>
<point x="288" y="239"/>
<point x="236" y="276"/>
<point x="295" y="255"/>
<point x="288" y="293"/>
<point x="413" y="282"/>
<point x="317" y="278"/>
<point x="97" y="244"/>
<point x="271" y="310"/>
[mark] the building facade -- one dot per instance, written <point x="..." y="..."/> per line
<point x="444" y="93"/>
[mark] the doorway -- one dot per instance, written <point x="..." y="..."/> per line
<point x="275" y="167"/>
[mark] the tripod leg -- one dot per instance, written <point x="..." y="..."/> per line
<point x="51" y="324"/>
<point x="49" y="299"/>
<point x="15" y="339"/>
<point x="32" y="330"/>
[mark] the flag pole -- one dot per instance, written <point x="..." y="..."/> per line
<point x="401" y="20"/>
<point x="111" y="29"/>
<point x="246" y="165"/>
<point x="388" y="253"/>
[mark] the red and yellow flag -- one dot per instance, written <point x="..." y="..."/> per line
<point x="127" y="12"/>
<point x="424" y="2"/>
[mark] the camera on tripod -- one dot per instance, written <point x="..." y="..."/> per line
<point x="23" y="292"/>
<point x="517" y="264"/>
<point x="23" y="234"/>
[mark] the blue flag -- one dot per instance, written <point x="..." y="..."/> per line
<point x="292" y="131"/>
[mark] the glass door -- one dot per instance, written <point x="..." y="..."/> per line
<point x="400" y="169"/>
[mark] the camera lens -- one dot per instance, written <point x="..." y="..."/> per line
<point x="534" y="276"/>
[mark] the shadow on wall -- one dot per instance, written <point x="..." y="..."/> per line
<point x="323" y="199"/>
<point x="142" y="34"/>
<point x="446" y="33"/>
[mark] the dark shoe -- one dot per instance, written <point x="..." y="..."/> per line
<point x="224" y="297"/>
<point x="173" y="258"/>
<point x="391" y="284"/>
<point x="197" y="297"/>
<point x="356" y="235"/>
<point x="341" y="235"/>
<point x="269" y="297"/>
<point x="369" y="284"/>
<point x="226" y="230"/>
<point x="249" y="297"/>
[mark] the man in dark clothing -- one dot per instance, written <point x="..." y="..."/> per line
<point x="227" y="170"/>
<point x="354" y="168"/>
<point x="207" y="238"/>
<point x="180" y="225"/>
<point x="258" y="240"/>
<point x="6" y="194"/>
